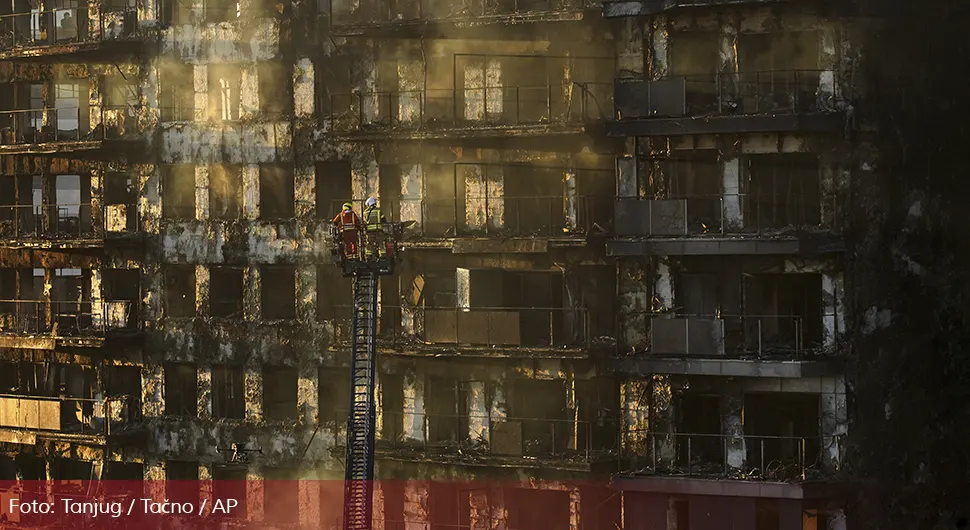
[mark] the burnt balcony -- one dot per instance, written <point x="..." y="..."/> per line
<point x="736" y="465"/>
<point x="495" y="216"/>
<point x="70" y="418"/>
<point x="732" y="223"/>
<point x="774" y="101"/>
<point x="370" y="18"/>
<point x="486" y="439"/>
<point x="630" y="8"/>
<point x="66" y="225"/>
<point x="489" y="111"/>
<point x="498" y="330"/>
<point x="736" y="346"/>
<point x="77" y="323"/>
<point x="67" y="130"/>
<point x="69" y="32"/>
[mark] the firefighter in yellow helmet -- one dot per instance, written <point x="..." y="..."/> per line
<point x="374" y="221"/>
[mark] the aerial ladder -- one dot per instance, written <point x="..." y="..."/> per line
<point x="365" y="270"/>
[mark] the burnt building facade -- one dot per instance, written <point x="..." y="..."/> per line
<point x="626" y="259"/>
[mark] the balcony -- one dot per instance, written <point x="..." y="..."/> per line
<point x="66" y="225"/>
<point x="727" y="224"/>
<point x="495" y="331"/>
<point x="65" y="130"/>
<point x="461" y="223"/>
<point x="39" y="324"/>
<point x="732" y="465"/>
<point x="54" y="34"/>
<point x="732" y="346"/>
<point x="484" y="440"/>
<point x="491" y="111"/>
<point x="630" y="8"/>
<point x="776" y="101"/>
<point x="421" y="13"/>
<point x="67" y="418"/>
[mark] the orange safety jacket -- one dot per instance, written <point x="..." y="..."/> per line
<point x="347" y="219"/>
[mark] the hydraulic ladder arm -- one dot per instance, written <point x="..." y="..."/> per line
<point x="358" y="480"/>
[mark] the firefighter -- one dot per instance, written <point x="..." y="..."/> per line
<point x="349" y="225"/>
<point x="374" y="221"/>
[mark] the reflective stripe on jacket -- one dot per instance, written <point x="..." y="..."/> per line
<point x="347" y="219"/>
<point x="373" y="218"/>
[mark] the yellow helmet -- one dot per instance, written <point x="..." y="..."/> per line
<point x="348" y="206"/>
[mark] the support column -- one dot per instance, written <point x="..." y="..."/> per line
<point x="573" y="205"/>
<point x="416" y="505"/>
<point x="248" y="91"/>
<point x="633" y="302"/>
<point x="835" y="419"/>
<point x="629" y="49"/>
<point x="732" y="427"/>
<point x="254" y="393"/>
<point x="308" y="393"/>
<point x="204" y="393"/>
<point x="150" y="200"/>
<point x="412" y="184"/>
<point x="202" y="290"/>
<point x="155" y="481"/>
<point x="201" y="192"/>
<point x="250" y="191"/>
<point x="251" y="292"/>
<point x="731" y="212"/>
<point x="658" y="47"/>
<point x="305" y="191"/>
<point x="304" y="98"/>
<point x="254" y="496"/>
<point x="152" y="397"/>
<point x="478" y="411"/>
<point x="662" y="421"/>
<point x="414" y="416"/>
<point x="200" y="77"/>
<point x="306" y="294"/>
<point x="832" y="303"/>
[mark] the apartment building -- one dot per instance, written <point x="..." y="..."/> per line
<point x="627" y="255"/>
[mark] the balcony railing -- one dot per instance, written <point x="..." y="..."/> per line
<point x="496" y="326"/>
<point x="779" y="91"/>
<point x="66" y="221"/>
<point x="740" y="214"/>
<point x="65" y="319"/>
<point x="64" y="26"/>
<point x="766" y="458"/>
<point x="69" y="415"/>
<point x="383" y="14"/>
<point x="489" y="106"/>
<point x="495" y="216"/>
<point x="482" y="435"/>
<point x="733" y="336"/>
<point x="39" y="126"/>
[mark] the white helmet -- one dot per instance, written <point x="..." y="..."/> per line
<point x="371" y="202"/>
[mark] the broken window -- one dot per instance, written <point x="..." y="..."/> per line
<point x="334" y="394"/>
<point x="70" y="300"/>
<point x="275" y="89"/>
<point x="178" y="191"/>
<point x="229" y="482"/>
<point x="691" y="182"/>
<point x="780" y="429"/>
<point x="278" y="294"/>
<point x="334" y="299"/>
<point x="281" y="495"/>
<point x="225" y="192"/>
<point x="280" y="393"/>
<point x="177" y="84"/>
<point x="782" y="191"/>
<point x="333" y="187"/>
<point x="693" y="55"/>
<point x="276" y="199"/>
<point x="447" y="409"/>
<point x="784" y="312"/>
<point x="533" y="198"/>
<point x="180" y="291"/>
<point x="181" y="390"/>
<point x="176" y="12"/>
<point x="522" y="503"/>
<point x="333" y="85"/>
<point x="122" y="293"/>
<point x="700" y="423"/>
<point x="391" y="406"/>
<point x="540" y="407"/>
<point x="221" y="10"/>
<point x="71" y="214"/>
<point x="224" y="84"/>
<point x="228" y="392"/>
<point x="440" y="216"/>
<point x="67" y="108"/>
<point x="121" y="381"/>
<point x="778" y="70"/>
<point x="225" y="292"/>
<point x="121" y="210"/>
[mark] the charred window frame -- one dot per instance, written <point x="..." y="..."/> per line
<point x="278" y="292"/>
<point x="333" y="85"/>
<point x="225" y="81"/>
<point x="276" y="193"/>
<point x="177" y="89"/>
<point x="225" y="192"/>
<point x="333" y="392"/>
<point x="181" y="390"/>
<point x="178" y="191"/>
<point x="280" y="396"/>
<point x="229" y="482"/>
<point x="228" y="392"/>
<point x="226" y="292"/>
<point x="217" y="11"/>
<point x="275" y="89"/>
<point x="180" y="291"/>
<point x="176" y="12"/>
<point x="181" y="472"/>
<point x="334" y="185"/>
